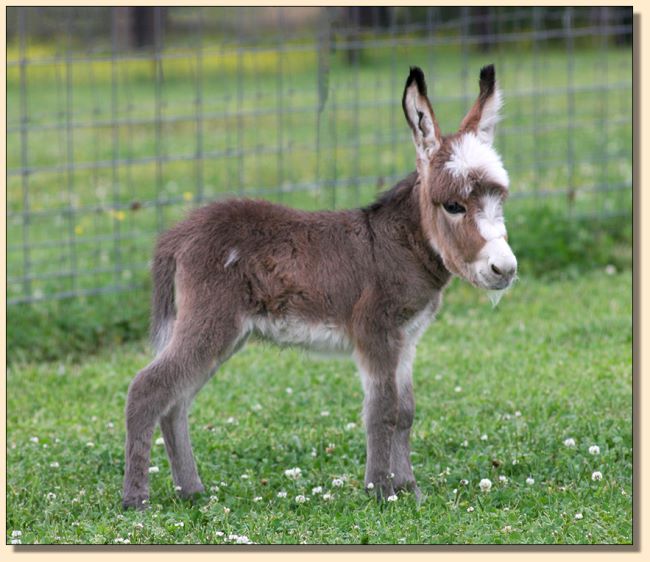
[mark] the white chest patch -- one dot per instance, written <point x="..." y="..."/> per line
<point x="319" y="337"/>
<point x="416" y="326"/>
<point x="469" y="155"/>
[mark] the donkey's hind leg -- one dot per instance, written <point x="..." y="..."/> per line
<point x="162" y="391"/>
<point x="175" y="430"/>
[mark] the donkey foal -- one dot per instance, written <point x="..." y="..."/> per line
<point x="365" y="282"/>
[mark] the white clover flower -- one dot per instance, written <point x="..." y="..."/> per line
<point x="293" y="473"/>
<point x="578" y="516"/>
<point x="219" y="533"/>
<point x="214" y="488"/>
<point x="15" y="534"/>
<point x="594" y="450"/>
<point x="610" y="269"/>
<point x="153" y="469"/>
<point x="90" y="444"/>
<point x="458" y="388"/>
<point x="530" y="481"/>
<point x="226" y="510"/>
<point x="160" y="441"/>
<point x="51" y="496"/>
<point x="138" y="526"/>
<point x="110" y="425"/>
<point x="239" y="539"/>
<point x="16" y="541"/>
<point x="503" y="479"/>
<point x="34" y="439"/>
<point x="517" y="414"/>
<point x="317" y="490"/>
<point x="256" y="407"/>
<point x="337" y="482"/>
<point x="231" y="420"/>
<point x="597" y="475"/>
<point x="244" y="476"/>
<point x="392" y="498"/>
<point x="470" y="509"/>
<point x="301" y="499"/>
<point x="570" y="442"/>
<point x="485" y="484"/>
<point x="350" y="426"/>
<point x="54" y="464"/>
<point x="370" y="486"/>
<point x="282" y="494"/>
<point x="464" y="443"/>
<point x="178" y="488"/>
<point x="328" y="497"/>
<point x="484" y="437"/>
<point x="325" y="413"/>
<point x="257" y="499"/>
<point x="313" y="452"/>
<point x="507" y="529"/>
<point x="179" y="524"/>
<point x="289" y="390"/>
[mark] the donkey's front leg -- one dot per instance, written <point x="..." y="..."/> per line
<point x="380" y="412"/>
<point x="400" y="454"/>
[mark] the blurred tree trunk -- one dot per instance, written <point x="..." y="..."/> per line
<point x="483" y="28"/>
<point x="358" y="17"/>
<point x="135" y="26"/>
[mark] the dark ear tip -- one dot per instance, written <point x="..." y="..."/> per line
<point x="487" y="73"/>
<point x="416" y="75"/>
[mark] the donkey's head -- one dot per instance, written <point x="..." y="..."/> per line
<point x="462" y="185"/>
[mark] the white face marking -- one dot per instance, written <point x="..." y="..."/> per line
<point x="233" y="256"/>
<point x="469" y="155"/>
<point x="489" y="219"/>
<point x="495" y="253"/>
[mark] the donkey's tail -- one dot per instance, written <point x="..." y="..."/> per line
<point x="163" y="308"/>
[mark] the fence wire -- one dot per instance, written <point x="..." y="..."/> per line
<point x="122" y="119"/>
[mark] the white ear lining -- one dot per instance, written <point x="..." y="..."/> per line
<point x="490" y="117"/>
<point x="423" y="143"/>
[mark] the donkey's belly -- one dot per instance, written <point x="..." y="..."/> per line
<point x="319" y="337"/>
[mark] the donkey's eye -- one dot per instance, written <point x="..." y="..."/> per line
<point x="454" y="208"/>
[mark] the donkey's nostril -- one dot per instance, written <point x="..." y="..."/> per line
<point x="496" y="270"/>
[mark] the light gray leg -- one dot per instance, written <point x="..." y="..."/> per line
<point x="380" y="417"/>
<point x="400" y="455"/>
<point x="175" y="430"/>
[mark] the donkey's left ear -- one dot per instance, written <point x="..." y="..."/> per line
<point x="420" y="116"/>
<point x="484" y="115"/>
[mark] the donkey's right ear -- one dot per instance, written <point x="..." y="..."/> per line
<point x="420" y="116"/>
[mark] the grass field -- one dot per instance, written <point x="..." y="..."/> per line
<point x="499" y="392"/>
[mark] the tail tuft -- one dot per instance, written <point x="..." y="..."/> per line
<point x="163" y="309"/>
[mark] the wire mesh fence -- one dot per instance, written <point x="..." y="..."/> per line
<point x="119" y="120"/>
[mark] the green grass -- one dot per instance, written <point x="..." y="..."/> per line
<point x="553" y="361"/>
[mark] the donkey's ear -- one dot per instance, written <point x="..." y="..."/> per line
<point x="420" y="116"/>
<point x="484" y="115"/>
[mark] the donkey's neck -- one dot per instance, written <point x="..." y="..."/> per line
<point x="395" y="218"/>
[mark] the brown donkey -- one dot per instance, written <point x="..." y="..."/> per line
<point x="363" y="281"/>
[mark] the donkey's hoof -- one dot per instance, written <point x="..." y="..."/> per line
<point x="139" y="503"/>
<point x="382" y="491"/>
<point x="190" y="492"/>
